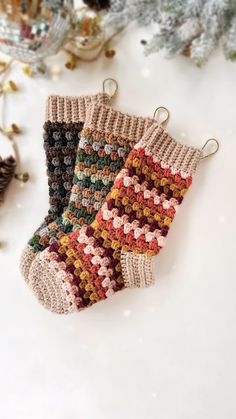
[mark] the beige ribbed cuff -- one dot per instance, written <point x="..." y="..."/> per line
<point x="72" y="109"/>
<point x="137" y="270"/>
<point x="109" y="121"/>
<point x="177" y="156"/>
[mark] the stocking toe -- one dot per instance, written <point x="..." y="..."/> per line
<point x="49" y="286"/>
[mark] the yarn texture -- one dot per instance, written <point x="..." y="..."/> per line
<point x="103" y="146"/>
<point x="65" y="117"/>
<point x="115" y="251"/>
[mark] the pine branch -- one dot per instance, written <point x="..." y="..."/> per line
<point x="197" y="25"/>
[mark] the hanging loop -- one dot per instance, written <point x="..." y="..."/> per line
<point x="111" y="84"/>
<point x="216" y="144"/>
<point x="160" y="110"/>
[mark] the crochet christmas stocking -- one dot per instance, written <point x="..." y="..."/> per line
<point x="104" y="144"/>
<point x="116" y="250"/>
<point x="64" y="120"/>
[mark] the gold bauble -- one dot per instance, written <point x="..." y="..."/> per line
<point x="87" y="36"/>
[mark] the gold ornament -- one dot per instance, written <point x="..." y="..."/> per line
<point x="9" y="87"/>
<point x="22" y="177"/>
<point x="11" y="130"/>
<point x="8" y="165"/>
<point x="71" y="63"/>
<point x="110" y="53"/>
<point x="87" y="37"/>
<point x="35" y="69"/>
<point x="27" y="70"/>
<point x="3" y="66"/>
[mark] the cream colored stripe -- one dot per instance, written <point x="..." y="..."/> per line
<point x="137" y="270"/>
<point x="179" y="157"/>
<point x="71" y="109"/>
<point x="110" y="121"/>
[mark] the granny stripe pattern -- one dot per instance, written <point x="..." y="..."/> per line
<point x="103" y="146"/>
<point x="115" y="251"/>
<point x="64" y="121"/>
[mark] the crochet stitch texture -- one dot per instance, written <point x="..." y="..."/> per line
<point x="103" y="145"/>
<point x="115" y="251"/>
<point x="64" y="121"/>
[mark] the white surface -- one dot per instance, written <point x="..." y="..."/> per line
<point x="162" y="353"/>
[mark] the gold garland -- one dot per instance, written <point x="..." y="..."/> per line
<point x="9" y="165"/>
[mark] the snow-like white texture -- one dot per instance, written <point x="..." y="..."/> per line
<point x="197" y="25"/>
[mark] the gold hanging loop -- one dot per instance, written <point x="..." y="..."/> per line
<point x="112" y="83"/>
<point x="160" y="110"/>
<point x="217" y="145"/>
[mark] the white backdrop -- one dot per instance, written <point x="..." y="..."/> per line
<point x="163" y="353"/>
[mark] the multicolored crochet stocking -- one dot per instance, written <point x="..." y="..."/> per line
<point x="65" y="117"/>
<point x="115" y="251"/>
<point x="104" y="144"/>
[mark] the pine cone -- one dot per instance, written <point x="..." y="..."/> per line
<point x="98" y="4"/>
<point x="7" y="170"/>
